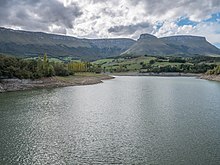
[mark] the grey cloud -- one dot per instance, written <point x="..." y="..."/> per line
<point x="37" y="14"/>
<point x="215" y="3"/>
<point x="105" y="2"/>
<point x="199" y="8"/>
<point x="94" y="17"/>
<point x="60" y="31"/>
<point x="107" y="11"/>
<point x="3" y="3"/>
<point x="129" y="29"/>
<point x="55" y="12"/>
<point x="3" y="9"/>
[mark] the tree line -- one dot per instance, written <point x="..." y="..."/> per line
<point x="158" y="64"/>
<point x="13" y="67"/>
<point x="185" y="68"/>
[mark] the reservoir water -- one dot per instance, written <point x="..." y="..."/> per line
<point x="127" y="120"/>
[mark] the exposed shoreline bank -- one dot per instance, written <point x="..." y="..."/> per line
<point x="172" y="74"/>
<point x="164" y="74"/>
<point x="8" y="85"/>
<point x="211" y="77"/>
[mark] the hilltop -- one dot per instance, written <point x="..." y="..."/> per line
<point x="182" y="45"/>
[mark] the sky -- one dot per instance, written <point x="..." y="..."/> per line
<point x="114" y="18"/>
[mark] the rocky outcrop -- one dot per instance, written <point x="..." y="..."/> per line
<point x="184" y="45"/>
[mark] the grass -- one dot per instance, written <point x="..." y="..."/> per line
<point x="102" y="61"/>
<point x="77" y="75"/>
<point x="87" y="74"/>
<point x="131" y="64"/>
<point x="167" y="63"/>
<point x="55" y="60"/>
<point x="137" y="63"/>
<point x="217" y="63"/>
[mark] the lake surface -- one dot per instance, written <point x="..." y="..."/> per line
<point x="128" y="120"/>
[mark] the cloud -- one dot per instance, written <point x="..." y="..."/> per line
<point x="114" y="18"/>
<point x="38" y="14"/>
<point x="130" y="18"/>
<point x="129" y="29"/>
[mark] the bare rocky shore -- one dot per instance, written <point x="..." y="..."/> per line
<point x="50" y="82"/>
<point x="7" y="85"/>
<point x="211" y="77"/>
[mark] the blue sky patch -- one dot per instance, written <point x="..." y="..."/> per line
<point x="159" y="25"/>
<point x="214" y="18"/>
<point x="186" y="21"/>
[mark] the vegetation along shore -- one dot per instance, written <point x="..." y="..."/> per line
<point x="42" y="72"/>
<point x="22" y="74"/>
<point x="213" y="74"/>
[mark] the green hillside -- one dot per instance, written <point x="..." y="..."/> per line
<point x="158" y="64"/>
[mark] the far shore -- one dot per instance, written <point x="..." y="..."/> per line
<point x="171" y="74"/>
<point x="163" y="74"/>
<point x="7" y="85"/>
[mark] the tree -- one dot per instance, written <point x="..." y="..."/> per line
<point x="151" y="62"/>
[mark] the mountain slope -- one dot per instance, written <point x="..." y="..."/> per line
<point x="191" y="44"/>
<point x="151" y="45"/>
<point x="184" y="45"/>
<point x="26" y="43"/>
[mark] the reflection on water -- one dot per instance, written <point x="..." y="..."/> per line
<point x="128" y="120"/>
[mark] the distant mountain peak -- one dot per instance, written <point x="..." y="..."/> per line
<point x="173" y="45"/>
<point x="147" y="36"/>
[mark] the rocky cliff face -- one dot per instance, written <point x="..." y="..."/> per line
<point x="147" y="37"/>
<point x="26" y="43"/>
<point x="174" y="45"/>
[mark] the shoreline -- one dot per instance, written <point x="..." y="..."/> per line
<point x="211" y="77"/>
<point x="10" y="85"/>
<point x="164" y="74"/>
<point x="172" y="74"/>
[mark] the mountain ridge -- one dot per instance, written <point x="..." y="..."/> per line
<point x="25" y="43"/>
<point x="184" y="45"/>
<point x="28" y="44"/>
